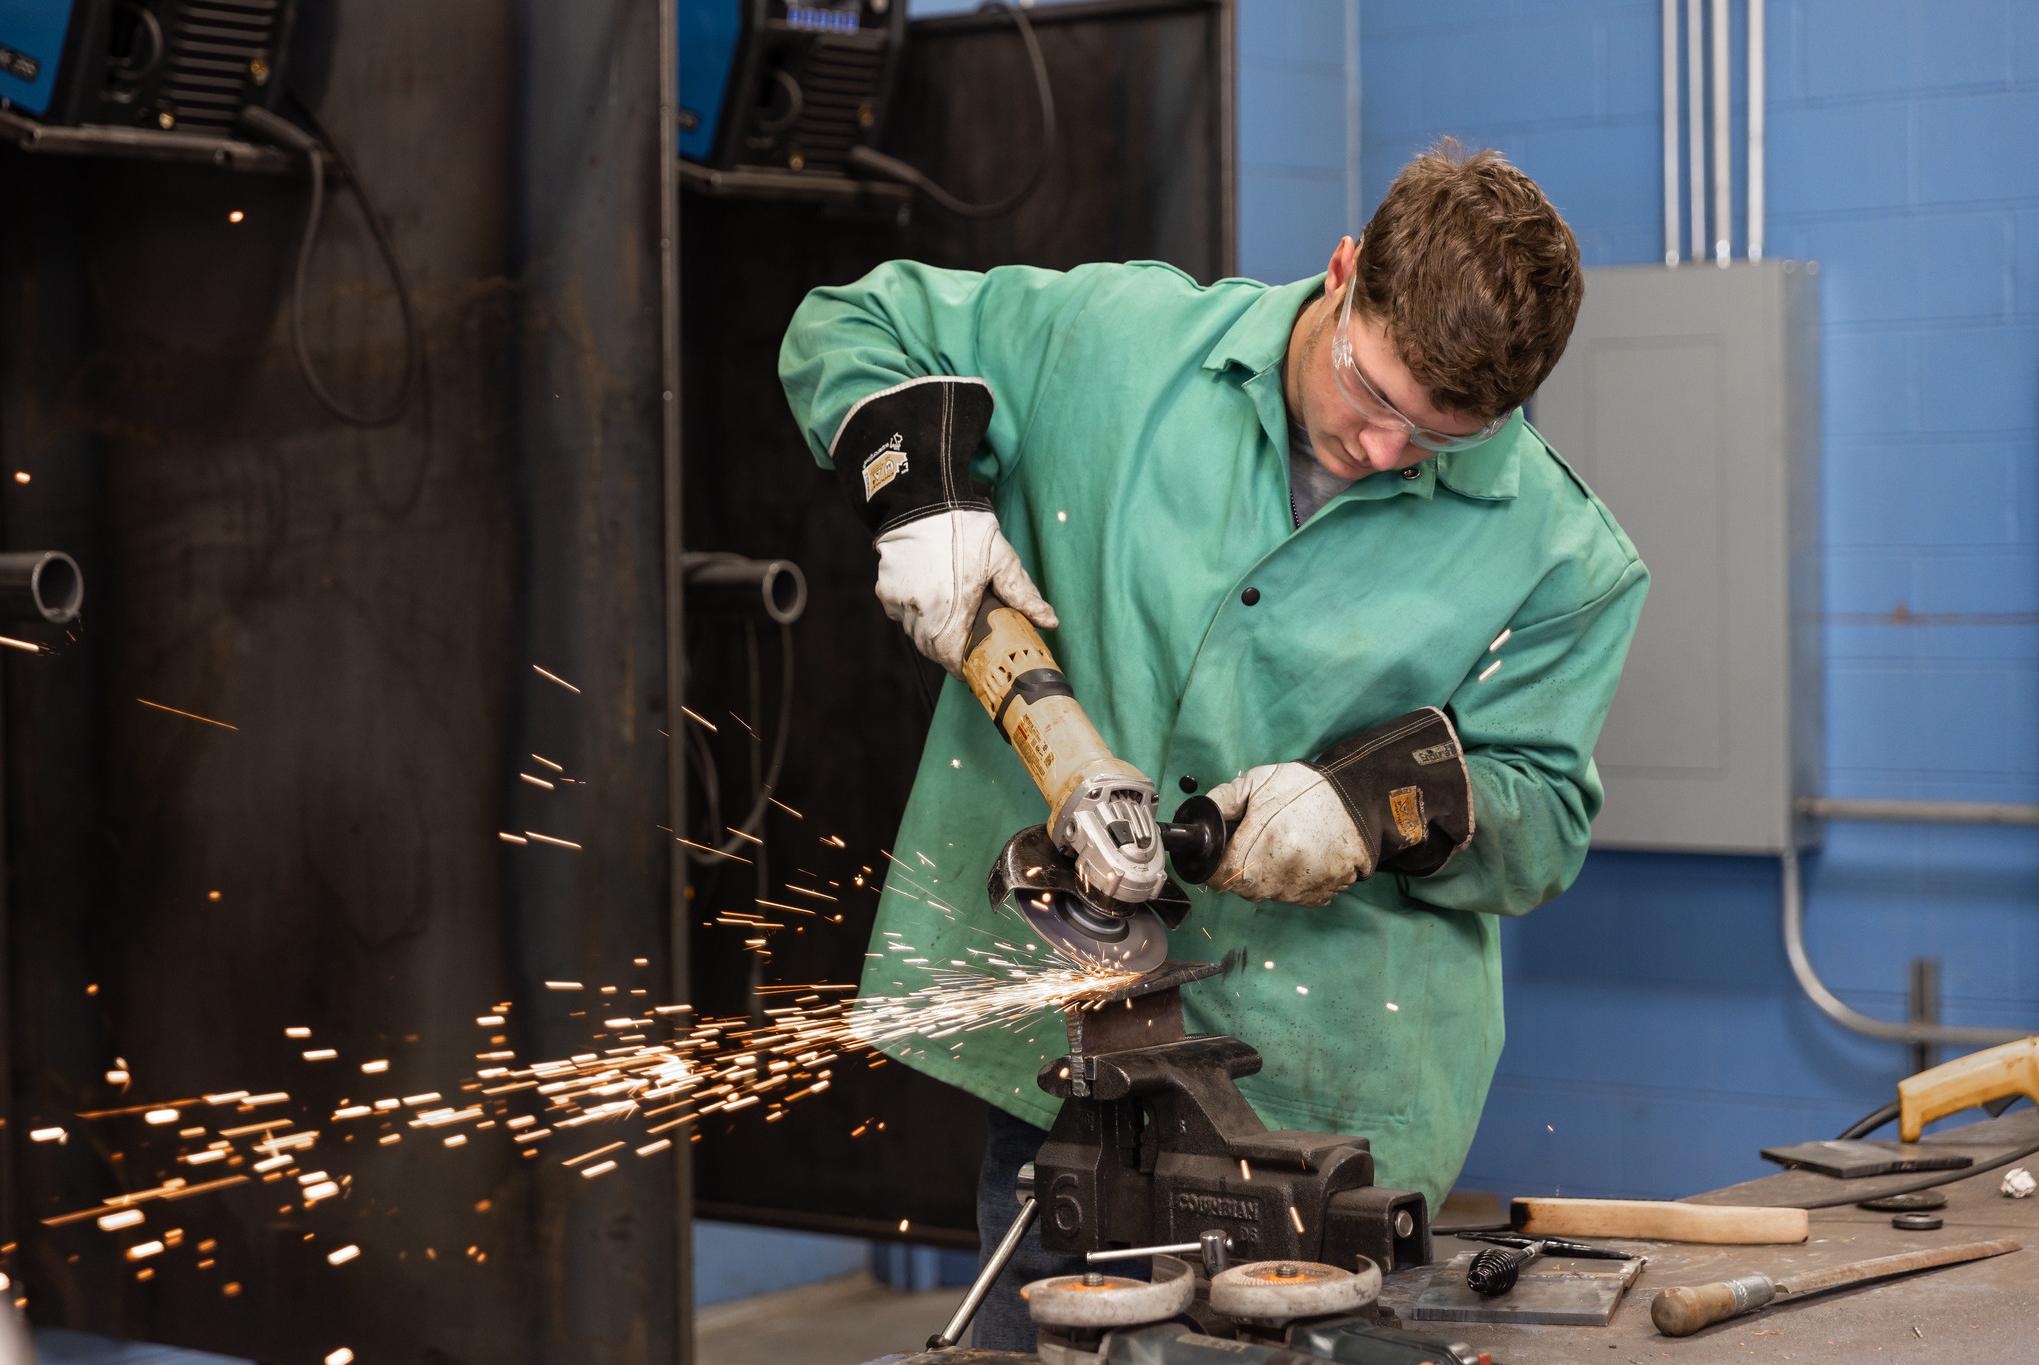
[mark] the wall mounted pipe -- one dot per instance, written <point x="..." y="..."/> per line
<point x="40" y="585"/>
<point x="1755" y="157"/>
<point x="1670" y="27"/>
<point x="1723" y="160"/>
<point x="775" y="586"/>
<point x="1695" y="127"/>
<point x="1906" y="812"/>
<point x="1920" y="812"/>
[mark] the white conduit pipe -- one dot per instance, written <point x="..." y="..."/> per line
<point x="1723" y="166"/>
<point x="1670" y="26"/>
<point x="1695" y="125"/>
<point x="1755" y="130"/>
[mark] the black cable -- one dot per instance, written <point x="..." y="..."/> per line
<point x="1868" y="1123"/>
<point x="315" y="164"/>
<point x="919" y="671"/>
<point x="1944" y="1178"/>
<point x="877" y="163"/>
<point x="773" y="768"/>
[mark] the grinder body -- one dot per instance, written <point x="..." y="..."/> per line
<point x="1101" y="808"/>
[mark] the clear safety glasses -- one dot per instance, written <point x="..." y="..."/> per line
<point x="1367" y="401"/>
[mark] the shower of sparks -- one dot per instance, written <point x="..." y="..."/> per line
<point x="554" y="677"/>
<point x="188" y="715"/>
<point x="648" y="1078"/>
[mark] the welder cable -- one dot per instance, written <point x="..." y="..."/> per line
<point x="1944" y="1178"/>
<point x="712" y="782"/>
<point x="1868" y="1123"/>
<point x="877" y="163"/>
<point x="315" y="161"/>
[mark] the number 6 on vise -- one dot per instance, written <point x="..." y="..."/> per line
<point x="1093" y="881"/>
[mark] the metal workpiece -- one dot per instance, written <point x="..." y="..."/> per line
<point x="1155" y="1145"/>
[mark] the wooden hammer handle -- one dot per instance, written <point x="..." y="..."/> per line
<point x="1659" y="1220"/>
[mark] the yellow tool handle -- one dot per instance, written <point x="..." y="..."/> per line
<point x="1023" y="689"/>
<point x="2006" y="1069"/>
<point x="1659" y="1220"/>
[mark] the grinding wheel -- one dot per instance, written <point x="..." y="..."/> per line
<point x="1114" y="1300"/>
<point x="1092" y="930"/>
<point x="1280" y="1291"/>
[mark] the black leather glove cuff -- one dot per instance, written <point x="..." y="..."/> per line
<point x="1405" y="784"/>
<point x="904" y="452"/>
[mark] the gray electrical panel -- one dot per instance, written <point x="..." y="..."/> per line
<point x="1689" y="400"/>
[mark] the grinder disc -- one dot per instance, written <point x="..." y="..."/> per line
<point x="1091" y="930"/>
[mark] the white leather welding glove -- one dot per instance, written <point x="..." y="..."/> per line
<point x="1294" y="841"/>
<point x="1397" y="796"/>
<point x="932" y="573"/>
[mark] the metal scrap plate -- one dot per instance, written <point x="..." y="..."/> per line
<point x="1550" y="1290"/>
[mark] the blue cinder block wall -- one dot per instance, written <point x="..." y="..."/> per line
<point x="1655" y="1036"/>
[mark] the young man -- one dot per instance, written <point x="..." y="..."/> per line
<point x="1309" y="557"/>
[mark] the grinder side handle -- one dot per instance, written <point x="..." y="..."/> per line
<point x="1196" y="838"/>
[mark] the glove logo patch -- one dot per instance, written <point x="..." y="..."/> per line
<point x="1436" y="753"/>
<point x="883" y="465"/>
<point x="1405" y="804"/>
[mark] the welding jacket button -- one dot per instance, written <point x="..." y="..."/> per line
<point x="1250" y="596"/>
<point x="1188" y="785"/>
<point x="1412" y="472"/>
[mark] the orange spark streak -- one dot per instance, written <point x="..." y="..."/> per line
<point x="188" y="715"/>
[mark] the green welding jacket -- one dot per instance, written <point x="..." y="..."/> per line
<point x="1139" y="460"/>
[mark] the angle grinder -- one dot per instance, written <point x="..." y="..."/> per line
<point x="1093" y="881"/>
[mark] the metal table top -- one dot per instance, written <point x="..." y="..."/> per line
<point x="1988" y="1310"/>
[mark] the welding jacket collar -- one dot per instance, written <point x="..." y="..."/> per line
<point x="1259" y="339"/>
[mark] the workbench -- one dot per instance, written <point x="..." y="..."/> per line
<point x="1986" y="1310"/>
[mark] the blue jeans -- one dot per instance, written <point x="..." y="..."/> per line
<point x="1002" y="1321"/>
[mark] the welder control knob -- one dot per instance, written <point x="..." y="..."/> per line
<point x="1099" y="1300"/>
<point x="1282" y="1291"/>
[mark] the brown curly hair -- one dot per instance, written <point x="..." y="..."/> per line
<point x="1474" y="276"/>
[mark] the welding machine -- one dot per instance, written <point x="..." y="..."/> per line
<point x="192" y="65"/>
<point x="771" y="85"/>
